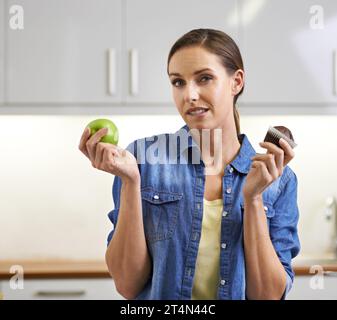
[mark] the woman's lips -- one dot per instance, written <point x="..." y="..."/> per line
<point x="198" y="113"/>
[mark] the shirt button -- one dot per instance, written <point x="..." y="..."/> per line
<point x="223" y="282"/>
<point x="200" y="181"/>
<point x="228" y="190"/>
<point x="224" y="214"/>
<point x="231" y="170"/>
<point x="156" y="197"/>
<point x="198" y="206"/>
<point x="265" y="208"/>
<point x="223" y="245"/>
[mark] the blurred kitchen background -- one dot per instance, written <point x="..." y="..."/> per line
<point x="64" y="63"/>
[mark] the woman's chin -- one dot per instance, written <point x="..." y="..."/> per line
<point x="199" y="125"/>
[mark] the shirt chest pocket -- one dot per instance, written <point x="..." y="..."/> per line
<point x="160" y="213"/>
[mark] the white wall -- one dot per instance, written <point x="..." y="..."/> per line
<point x="314" y="165"/>
<point x="54" y="204"/>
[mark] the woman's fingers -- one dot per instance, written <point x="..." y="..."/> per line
<point x="263" y="171"/>
<point x="275" y="159"/>
<point x="101" y="149"/>
<point x="107" y="156"/>
<point x="107" y="159"/>
<point x="92" y="143"/>
<point x="84" y="138"/>
<point x="288" y="151"/>
<point x="98" y="155"/>
<point x="269" y="161"/>
<point x="277" y="152"/>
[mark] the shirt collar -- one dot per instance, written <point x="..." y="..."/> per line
<point x="242" y="161"/>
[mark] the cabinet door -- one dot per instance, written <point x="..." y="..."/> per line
<point x="288" y="51"/>
<point x="153" y="26"/>
<point x="70" y="289"/>
<point x="61" y="55"/>
<point x="314" y="288"/>
<point x="2" y="44"/>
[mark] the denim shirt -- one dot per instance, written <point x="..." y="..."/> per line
<point x="172" y="207"/>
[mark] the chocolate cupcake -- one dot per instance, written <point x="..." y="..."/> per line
<point x="274" y="135"/>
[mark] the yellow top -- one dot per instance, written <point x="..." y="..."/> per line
<point x="207" y="272"/>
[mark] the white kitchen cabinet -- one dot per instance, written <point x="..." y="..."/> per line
<point x="153" y="26"/>
<point x="61" y="55"/>
<point x="288" y="51"/>
<point x="314" y="288"/>
<point x="2" y="44"/>
<point x="79" y="289"/>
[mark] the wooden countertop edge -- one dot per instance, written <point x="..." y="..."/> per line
<point x="54" y="269"/>
<point x="305" y="270"/>
<point x="91" y="269"/>
<point x="59" y="275"/>
<point x="299" y="271"/>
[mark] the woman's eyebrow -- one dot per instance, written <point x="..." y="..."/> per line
<point x="196" y="72"/>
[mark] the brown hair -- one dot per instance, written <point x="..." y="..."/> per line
<point x="219" y="43"/>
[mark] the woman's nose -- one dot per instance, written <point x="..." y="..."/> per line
<point x="191" y="93"/>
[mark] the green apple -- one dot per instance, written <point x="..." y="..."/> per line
<point x="111" y="136"/>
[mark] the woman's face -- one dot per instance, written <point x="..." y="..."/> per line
<point x="202" y="90"/>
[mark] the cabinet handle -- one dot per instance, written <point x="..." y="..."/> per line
<point x="335" y="71"/>
<point x="112" y="71"/>
<point x="134" y="72"/>
<point x="48" y="293"/>
<point x="330" y="273"/>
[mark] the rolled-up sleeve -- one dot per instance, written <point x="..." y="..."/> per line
<point x="283" y="226"/>
<point x="116" y="194"/>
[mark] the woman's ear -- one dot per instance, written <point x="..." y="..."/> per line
<point x="238" y="80"/>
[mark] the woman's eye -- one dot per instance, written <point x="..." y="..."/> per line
<point x="205" y="78"/>
<point x="177" y="83"/>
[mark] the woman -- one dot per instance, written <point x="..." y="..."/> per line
<point x="186" y="230"/>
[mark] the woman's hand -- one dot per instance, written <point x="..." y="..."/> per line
<point x="108" y="157"/>
<point x="266" y="168"/>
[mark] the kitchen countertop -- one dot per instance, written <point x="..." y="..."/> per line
<point x="309" y="264"/>
<point x="34" y="269"/>
<point x="56" y="269"/>
<point x="305" y="270"/>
